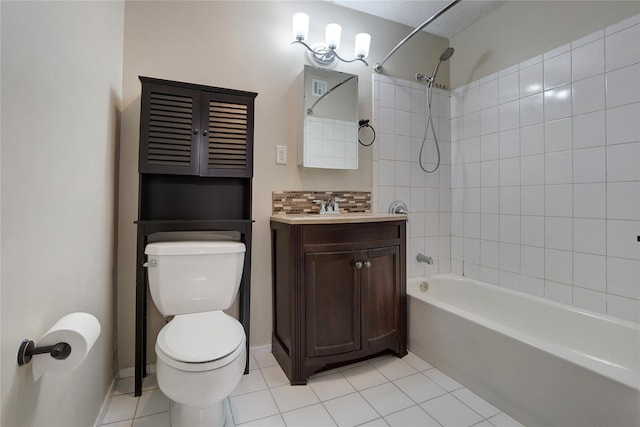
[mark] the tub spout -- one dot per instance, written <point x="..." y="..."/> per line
<point x="424" y="258"/>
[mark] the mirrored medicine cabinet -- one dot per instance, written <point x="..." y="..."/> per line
<point x="329" y="137"/>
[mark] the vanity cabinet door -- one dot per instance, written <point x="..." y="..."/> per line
<point x="332" y="302"/>
<point x="381" y="298"/>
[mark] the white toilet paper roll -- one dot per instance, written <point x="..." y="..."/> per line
<point x="79" y="330"/>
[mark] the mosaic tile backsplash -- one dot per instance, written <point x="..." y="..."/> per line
<point x="302" y="202"/>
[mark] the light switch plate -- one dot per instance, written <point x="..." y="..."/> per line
<point x="281" y="154"/>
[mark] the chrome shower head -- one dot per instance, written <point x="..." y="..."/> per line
<point x="448" y="53"/>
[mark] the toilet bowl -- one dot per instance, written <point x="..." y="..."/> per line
<point x="200" y="360"/>
<point x="201" y="353"/>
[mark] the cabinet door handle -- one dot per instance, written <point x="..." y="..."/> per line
<point x="367" y="264"/>
<point x="195" y="131"/>
<point x="358" y="264"/>
<point x="205" y="132"/>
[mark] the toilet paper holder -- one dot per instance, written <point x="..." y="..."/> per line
<point x="27" y="349"/>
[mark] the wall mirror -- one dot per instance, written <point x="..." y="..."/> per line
<point x="329" y="137"/>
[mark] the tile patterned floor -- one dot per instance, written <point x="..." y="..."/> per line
<point x="386" y="391"/>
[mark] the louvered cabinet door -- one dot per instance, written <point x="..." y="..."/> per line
<point x="169" y="130"/>
<point x="227" y="147"/>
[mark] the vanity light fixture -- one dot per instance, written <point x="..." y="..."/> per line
<point x="324" y="53"/>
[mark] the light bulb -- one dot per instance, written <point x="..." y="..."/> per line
<point x="332" y="35"/>
<point x="300" y="26"/>
<point x="363" y="40"/>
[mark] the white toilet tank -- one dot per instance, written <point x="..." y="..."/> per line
<point x="194" y="276"/>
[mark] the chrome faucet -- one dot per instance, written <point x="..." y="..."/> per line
<point x="424" y="258"/>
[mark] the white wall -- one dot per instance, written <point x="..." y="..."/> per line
<point x="244" y="45"/>
<point x="545" y="181"/>
<point x="61" y="85"/>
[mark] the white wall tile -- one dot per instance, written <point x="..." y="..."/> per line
<point x="403" y="123"/>
<point x="489" y="120"/>
<point x="557" y="103"/>
<point x="489" y="94"/>
<point x="625" y="23"/>
<point x="557" y="51"/>
<point x="510" y="171"/>
<point x="490" y="227"/>
<point x="510" y="200"/>
<point x="532" y="285"/>
<point x="532" y="170"/>
<point x="472" y="250"/>
<point x="509" y="115"/>
<point x="558" y="200"/>
<point x="588" y="95"/>
<point x="623" y="162"/>
<point x="531" y="109"/>
<point x="558" y="167"/>
<point x="531" y="79"/>
<point x="624" y="308"/>
<point x="471" y="99"/>
<point x="589" y="130"/>
<point x="587" y="60"/>
<point x="558" y="292"/>
<point x="508" y="87"/>
<point x="532" y="139"/>
<point x="590" y="300"/>
<point x="558" y="233"/>
<point x="532" y="200"/>
<point x="623" y="277"/>
<point x="510" y="229"/>
<point x="509" y="280"/>
<point x="557" y="70"/>
<point x="509" y="257"/>
<point x="589" y="165"/>
<point x="558" y="266"/>
<point x="403" y="98"/>
<point x="387" y="96"/>
<point x="509" y="143"/>
<point x="623" y="124"/>
<point x="589" y="200"/>
<point x="590" y="236"/>
<point x="623" y="200"/>
<point x="532" y="230"/>
<point x="490" y="275"/>
<point x="589" y="38"/>
<point x="472" y="200"/>
<point x="590" y="271"/>
<point x="471" y="125"/>
<point x="623" y="86"/>
<point x="532" y="261"/>
<point x="621" y="239"/>
<point x="622" y="48"/>
<point x="489" y="147"/>
<point x="418" y="100"/>
<point x="490" y="173"/>
<point x="490" y="254"/>
<point x="558" y="135"/>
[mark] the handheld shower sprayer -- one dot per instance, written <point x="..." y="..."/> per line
<point x="430" y="80"/>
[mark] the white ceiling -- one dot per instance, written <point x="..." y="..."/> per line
<point x="413" y="13"/>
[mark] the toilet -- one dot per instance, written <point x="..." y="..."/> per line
<point x="201" y="353"/>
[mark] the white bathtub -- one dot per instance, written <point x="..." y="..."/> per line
<point x="544" y="363"/>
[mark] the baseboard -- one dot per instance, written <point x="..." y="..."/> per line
<point x="259" y="349"/>
<point x="106" y="402"/>
<point x="130" y="372"/>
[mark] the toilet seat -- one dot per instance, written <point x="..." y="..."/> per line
<point x="200" y="341"/>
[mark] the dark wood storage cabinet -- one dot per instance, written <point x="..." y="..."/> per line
<point x="339" y="293"/>
<point x="188" y="129"/>
<point x="195" y="174"/>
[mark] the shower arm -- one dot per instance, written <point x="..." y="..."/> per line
<point x="378" y="66"/>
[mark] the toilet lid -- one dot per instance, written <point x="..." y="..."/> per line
<point x="200" y="337"/>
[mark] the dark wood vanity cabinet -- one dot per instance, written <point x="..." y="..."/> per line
<point x="189" y="129"/>
<point x="339" y="294"/>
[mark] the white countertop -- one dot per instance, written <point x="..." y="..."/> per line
<point x="345" y="218"/>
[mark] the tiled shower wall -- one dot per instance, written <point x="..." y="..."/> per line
<point x="546" y="174"/>
<point x="400" y="113"/>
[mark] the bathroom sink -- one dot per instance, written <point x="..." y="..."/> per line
<point x="335" y="218"/>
